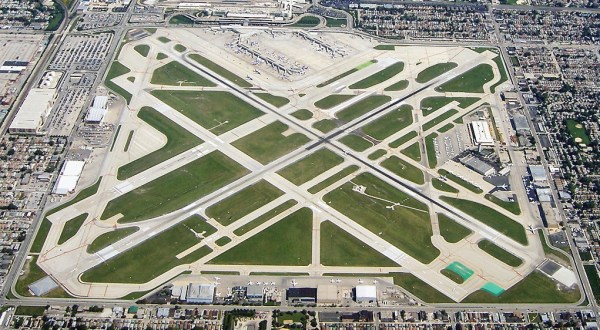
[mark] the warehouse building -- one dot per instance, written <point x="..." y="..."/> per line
<point x="200" y="293"/>
<point x="365" y="293"/>
<point x="33" y="112"/>
<point x="255" y="293"/>
<point x="328" y="294"/>
<point x="302" y="295"/>
<point x="478" y="165"/>
<point x="481" y="135"/>
<point x="97" y="111"/>
<point x="68" y="177"/>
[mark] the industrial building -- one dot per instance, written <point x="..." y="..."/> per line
<point x="13" y="66"/>
<point x="302" y="295"/>
<point x="68" y="178"/>
<point x="200" y="293"/>
<point x="328" y="294"/>
<point x="365" y="293"/>
<point x="478" y="165"/>
<point x="97" y="111"/>
<point x="481" y="135"/>
<point x="33" y="112"/>
<point x="255" y="293"/>
<point x="538" y="173"/>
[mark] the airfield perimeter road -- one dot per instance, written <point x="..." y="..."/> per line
<point x="119" y="32"/>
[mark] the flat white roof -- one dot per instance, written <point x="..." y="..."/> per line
<point x="34" y="110"/>
<point x="366" y="291"/>
<point x="566" y="277"/>
<point x="100" y="101"/>
<point x="72" y="168"/>
<point x="95" y="115"/>
<point x="65" y="184"/>
<point x="481" y="132"/>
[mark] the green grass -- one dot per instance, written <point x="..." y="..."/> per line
<point x="512" y="207"/>
<point x="356" y="142"/>
<point x="42" y="233"/>
<point x="490" y="217"/>
<point x="221" y="71"/>
<point x="268" y="143"/>
<point x="443" y="186"/>
<point x="335" y="22"/>
<point x="178" y="141"/>
<point x="243" y="202"/>
<point x="446" y="128"/>
<point x="216" y="111"/>
<point x="398" y="86"/>
<point x="110" y="238"/>
<point x="460" y="181"/>
<point x="377" y="154"/>
<point x="338" y="77"/>
<point x="33" y="311"/>
<point x="279" y="244"/>
<point x="33" y="273"/>
<point x="332" y="100"/>
<point x="578" y="132"/>
<point x="71" y="227"/>
<point x="176" y="189"/>
<point x="132" y="79"/>
<point x="471" y="81"/>
<point x="223" y="241"/>
<point x="142" y="49"/>
<point x="379" y="77"/>
<point x="56" y="17"/>
<point x="592" y="275"/>
<point x="434" y="71"/>
<point x="332" y="179"/>
<point x="112" y="146"/>
<point x="514" y="61"/>
<point x="374" y="215"/>
<point x="164" y="40"/>
<point x="310" y="166"/>
<point x="265" y="217"/>
<point x="180" y="48"/>
<point x="404" y="169"/>
<point x="451" y="230"/>
<point x="275" y="100"/>
<point x="302" y="114"/>
<point x="177" y="74"/>
<point x="439" y="119"/>
<point x="365" y="64"/>
<point x="420" y="289"/>
<point x="433" y="103"/>
<point x="181" y="19"/>
<point x="161" y="56"/>
<point x="389" y="123"/>
<point x="145" y="261"/>
<point x="535" y="288"/>
<point x="338" y="248"/>
<point x="385" y="47"/>
<point x="413" y="151"/>
<point x="503" y="74"/>
<point x="403" y="139"/>
<point x="325" y="125"/>
<point x="499" y="253"/>
<point x="128" y="142"/>
<point x="452" y="275"/>
<point x="307" y="21"/>
<point x="150" y="31"/>
<point x="116" y="70"/>
<point x="362" y="107"/>
<point x="429" y="146"/>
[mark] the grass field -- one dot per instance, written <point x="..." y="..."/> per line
<point x="164" y="40"/>
<point x="365" y="64"/>
<point x="180" y="48"/>
<point x="279" y="244"/>
<point x="176" y="189"/>
<point x="265" y="217"/>
<point x="114" y="139"/>
<point x="345" y="74"/>
<point x="460" y="181"/>
<point x="302" y="114"/>
<point x="446" y="128"/>
<point x="379" y="77"/>
<point x="221" y="71"/>
<point x="451" y="230"/>
<point x="430" y="148"/>
<point x="32" y="273"/>
<point x="385" y="47"/>
<point x="592" y="275"/>
<point x="402" y="140"/>
<point x="142" y="49"/>
<point x="33" y="311"/>
<point x="161" y="56"/>
<point x="332" y="179"/>
<point x="71" y="227"/>
<point x="335" y="22"/>
<point x="243" y="202"/>
<point x="178" y="141"/>
<point x="398" y="86"/>
<point x="443" y="186"/>
<point x="325" y="125"/>
<point x="116" y="70"/>
<point x="275" y="100"/>
<point x="310" y="166"/>
<point x="216" y="111"/>
<point x="110" y="238"/>
<point x="40" y="237"/>
<point x="338" y="248"/>
<point x="499" y="253"/>
<point x="223" y="241"/>
<point x="512" y="207"/>
<point x="452" y="275"/>
<point x="307" y="21"/>
<point x="404" y="169"/>
<point x="128" y="141"/>
<point x="420" y="289"/>
<point x="375" y="216"/>
<point x="577" y="130"/>
<point x="331" y="101"/>
<point x="180" y="19"/>
<point x="362" y="107"/>
<point x="413" y="151"/>
<point x="153" y="256"/>
<point x="434" y="71"/>
<point x="471" y="81"/>
<point x="503" y="74"/>
<point x="356" y="142"/>
<point x="377" y="154"/>
<point x="433" y="103"/>
<point x="439" y="119"/>
<point x="268" y="143"/>
<point x="535" y="288"/>
<point x="389" y="123"/>
<point x="490" y="217"/>
<point x="177" y="74"/>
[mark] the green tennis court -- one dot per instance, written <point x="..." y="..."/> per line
<point x="460" y="269"/>
<point x="492" y="288"/>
